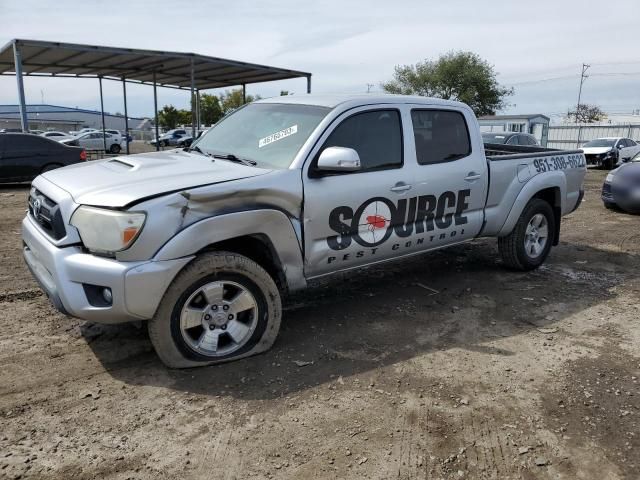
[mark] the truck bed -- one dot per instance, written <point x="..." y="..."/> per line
<point x="514" y="170"/>
<point x="494" y="150"/>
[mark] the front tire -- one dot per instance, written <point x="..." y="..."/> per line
<point x="115" y="148"/>
<point x="528" y="245"/>
<point x="221" y="307"/>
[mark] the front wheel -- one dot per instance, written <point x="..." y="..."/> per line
<point x="528" y="245"/>
<point x="115" y="148"/>
<point x="221" y="307"/>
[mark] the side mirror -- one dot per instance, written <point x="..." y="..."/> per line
<point x="620" y="146"/>
<point x="339" y="159"/>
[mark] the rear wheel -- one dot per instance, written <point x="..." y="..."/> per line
<point x="221" y="307"/>
<point x="528" y="245"/>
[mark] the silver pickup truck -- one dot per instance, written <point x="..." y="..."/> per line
<point x="204" y="242"/>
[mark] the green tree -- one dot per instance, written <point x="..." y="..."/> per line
<point x="462" y="76"/>
<point x="210" y="109"/>
<point x="184" y="117"/>
<point x="586" y="113"/>
<point x="232" y="99"/>
<point x="168" y="117"/>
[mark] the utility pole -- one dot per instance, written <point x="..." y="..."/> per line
<point x="583" y="77"/>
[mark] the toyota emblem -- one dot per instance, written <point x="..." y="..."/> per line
<point x="37" y="205"/>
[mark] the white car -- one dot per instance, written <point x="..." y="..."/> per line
<point x="94" y="141"/>
<point x="115" y="134"/>
<point x="609" y="152"/>
<point x="57" y="136"/>
<point x="82" y="131"/>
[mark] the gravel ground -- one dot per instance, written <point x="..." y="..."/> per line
<point x="497" y="375"/>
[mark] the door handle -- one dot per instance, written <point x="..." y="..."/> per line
<point x="472" y="176"/>
<point x="400" y="187"/>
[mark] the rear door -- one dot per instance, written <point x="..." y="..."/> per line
<point x="348" y="217"/>
<point x="451" y="179"/>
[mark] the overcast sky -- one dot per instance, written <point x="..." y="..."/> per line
<point x="349" y="44"/>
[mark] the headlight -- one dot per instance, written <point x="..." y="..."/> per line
<point x="609" y="178"/>
<point x="107" y="231"/>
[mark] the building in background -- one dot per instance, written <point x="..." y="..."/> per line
<point x="535" y="124"/>
<point x="54" y="117"/>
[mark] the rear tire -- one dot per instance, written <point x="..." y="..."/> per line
<point x="528" y="245"/>
<point x="227" y="275"/>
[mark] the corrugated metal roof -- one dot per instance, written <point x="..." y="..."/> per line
<point x="45" y="108"/>
<point x="172" y="69"/>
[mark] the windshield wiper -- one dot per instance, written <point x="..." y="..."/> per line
<point x="233" y="158"/>
<point x="196" y="149"/>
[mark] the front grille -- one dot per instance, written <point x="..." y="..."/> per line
<point x="46" y="213"/>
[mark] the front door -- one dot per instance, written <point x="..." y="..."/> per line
<point x="348" y="215"/>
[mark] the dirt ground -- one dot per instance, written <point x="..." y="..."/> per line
<point x="497" y="375"/>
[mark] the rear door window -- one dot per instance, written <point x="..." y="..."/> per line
<point x="440" y="136"/>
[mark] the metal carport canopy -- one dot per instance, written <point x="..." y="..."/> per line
<point x="171" y="69"/>
<point x="188" y="71"/>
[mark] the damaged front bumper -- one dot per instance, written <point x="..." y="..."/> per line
<point x="74" y="280"/>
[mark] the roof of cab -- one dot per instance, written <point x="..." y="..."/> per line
<point x="354" y="100"/>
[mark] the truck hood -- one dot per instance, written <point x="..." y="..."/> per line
<point x="595" y="150"/>
<point x="119" y="181"/>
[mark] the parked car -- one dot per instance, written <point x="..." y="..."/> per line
<point x="116" y="135"/>
<point x="82" y="131"/>
<point x="57" y="136"/>
<point x="36" y="132"/>
<point x="24" y="156"/>
<point x="93" y="141"/>
<point x="609" y="152"/>
<point x="203" y="242"/>
<point x="621" y="188"/>
<point x="187" y="140"/>
<point x="10" y="130"/>
<point x="172" y="137"/>
<point x="510" y="138"/>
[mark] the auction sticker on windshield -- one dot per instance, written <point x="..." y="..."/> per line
<point x="274" y="137"/>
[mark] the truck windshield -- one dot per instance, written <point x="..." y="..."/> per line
<point x="494" y="137"/>
<point x="270" y="134"/>
<point x="601" y="142"/>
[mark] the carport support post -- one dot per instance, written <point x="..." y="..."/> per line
<point x="17" y="59"/>
<point x="155" y="111"/>
<point x="198" y="108"/>
<point x="104" y="139"/>
<point x="308" y="83"/>
<point x="193" y="101"/>
<point x="126" y="117"/>
<point x="244" y="94"/>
